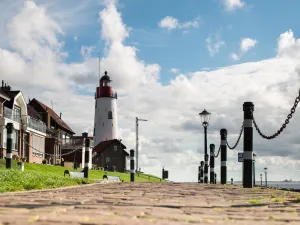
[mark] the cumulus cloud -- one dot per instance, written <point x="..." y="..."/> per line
<point x="172" y="23"/>
<point x="231" y="5"/>
<point x="173" y="135"/>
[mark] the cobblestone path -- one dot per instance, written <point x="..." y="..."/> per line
<point x="151" y="203"/>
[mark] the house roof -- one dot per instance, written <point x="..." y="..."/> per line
<point x="4" y="96"/>
<point x="54" y="116"/>
<point x="33" y="113"/>
<point x="102" y="146"/>
<point x="11" y="95"/>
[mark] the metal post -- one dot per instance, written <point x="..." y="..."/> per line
<point x="9" y="141"/>
<point x="223" y="133"/>
<point x="266" y="179"/>
<point x="261" y="180"/>
<point x="231" y="180"/>
<point x="254" y="173"/>
<point x="137" y="143"/>
<point x="212" y="163"/>
<point x="248" y="108"/>
<point x="132" y="165"/>
<point x="86" y="157"/>
<point x="215" y="178"/>
<point x="201" y="172"/>
<point x="205" y="157"/>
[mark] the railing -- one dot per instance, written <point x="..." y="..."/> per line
<point x="36" y="124"/>
<point x="8" y="113"/>
<point x="74" y="142"/>
<point x="115" y="95"/>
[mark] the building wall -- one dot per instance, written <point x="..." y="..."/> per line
<point x="37" y="148"/>
<point x="117" y="158"/>
<point x="105" y="128"/>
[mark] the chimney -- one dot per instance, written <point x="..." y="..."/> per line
<point x="60" y="115"/>
<point x="4" y="87"/>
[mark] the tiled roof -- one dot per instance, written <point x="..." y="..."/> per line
<point x="33" y="113"/>
<point x="3" y="95"/>
<point x="54" y="116"/>
<point x="11" y="95"/>
<point x="102" y="146"/>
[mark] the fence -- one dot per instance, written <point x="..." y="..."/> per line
<point x="247" y="130"/>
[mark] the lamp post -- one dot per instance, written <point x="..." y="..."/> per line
<point x="205" y="116"/>
<point x="266" y="169"/>
<point x="261" y="180"/>
<point x="137" y="142"/>
<point x="254" y="169"/>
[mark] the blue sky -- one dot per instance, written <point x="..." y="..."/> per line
<point x="263" y="21"/>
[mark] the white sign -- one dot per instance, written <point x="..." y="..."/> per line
<point x="240" y="157"/>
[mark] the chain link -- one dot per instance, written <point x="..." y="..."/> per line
<point x="238" y="140"/>
<point x="218" y="151"/>
<point x="286" y="122"/>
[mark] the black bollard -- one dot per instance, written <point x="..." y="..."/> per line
<point x="206" y="169"/>
<point x="212" y="163"/>
<point x="231" y="180"/>
<point x="223" y="133"/>
<point x="9" y="128"/>
<point x="201" y="172"/>
<point x="215" y="178"/>
<point x="86" y="157"/>
<point x="132" y="165"/>
<point x="248" y="108"/>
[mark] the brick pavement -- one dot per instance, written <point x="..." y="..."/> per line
<point x="151" y="203"/>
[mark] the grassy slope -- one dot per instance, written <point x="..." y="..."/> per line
<point x="38" y="176"/>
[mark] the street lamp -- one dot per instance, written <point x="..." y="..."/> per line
<point x="205" y="116"/>
<point x="261" y="180"/>
<point x="254" y="169"/>
<point x="137" y="142"/>
<point x="266" y="169"/>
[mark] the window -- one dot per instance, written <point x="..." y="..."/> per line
<point x="116" y="148"/>
<point x="110" y="115"/>
<point x="107" y="159"/>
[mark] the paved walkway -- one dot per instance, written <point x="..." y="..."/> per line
<point x="151" y="203"/>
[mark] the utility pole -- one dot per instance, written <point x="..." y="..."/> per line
<point x="137" y="142"/>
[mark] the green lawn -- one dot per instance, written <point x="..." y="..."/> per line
<point x="40" y="176"/>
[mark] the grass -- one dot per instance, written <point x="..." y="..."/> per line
<point x="40" y="176"/>
<point x="254" y="201"/>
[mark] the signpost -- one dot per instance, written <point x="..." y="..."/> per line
<point x="240" y="157"/>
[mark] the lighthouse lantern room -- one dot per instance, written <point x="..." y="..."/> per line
<point x="106" y="121"/>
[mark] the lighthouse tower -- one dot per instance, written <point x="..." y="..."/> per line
<point x="106" y="121"/>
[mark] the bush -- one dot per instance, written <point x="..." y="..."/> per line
<point x="45" y="161"/>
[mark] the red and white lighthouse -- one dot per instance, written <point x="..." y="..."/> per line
<point x="106" y="118"/>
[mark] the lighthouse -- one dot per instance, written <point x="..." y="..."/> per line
<point x="106" y="120"/>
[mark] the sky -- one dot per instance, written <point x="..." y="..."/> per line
<point x="169" y="60"/>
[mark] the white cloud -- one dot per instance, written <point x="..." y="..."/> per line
<point x="173" y="132"/>
<point x="235" y="57"/>
<point x="214" y="43"/>
<point x="233" y="4"/>
<point x="174" y="70"/>
<point x="247" y="44"/>
<point x="171" y="23"/>
<point x="86" y="51"/>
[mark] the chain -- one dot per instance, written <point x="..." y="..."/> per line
<point x="287" y="120"/>
<point x="238" y="140"/>
<point x="218" y="152"/>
